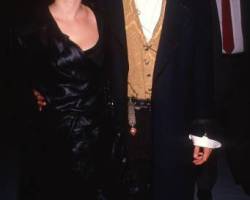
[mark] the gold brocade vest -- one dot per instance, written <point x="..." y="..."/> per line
<point x="141" y="53"/>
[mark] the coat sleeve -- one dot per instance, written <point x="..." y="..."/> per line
<point x="204" y="111"/>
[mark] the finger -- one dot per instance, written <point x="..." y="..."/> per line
<point x="41" y="103"/>
<point x="36" y="93"/>
<point x="198" y="160"/>
<point x="205" y="157"/>
<point x="207" y="152"/>
<point x="40" y="98"/>
<point x="196" y="151"/>
<point x="200" y="154"/>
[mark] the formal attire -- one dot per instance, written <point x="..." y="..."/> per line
<point x="169" y="84"/>
<point x="231" y="22"/>
<point x="69" y="134"/>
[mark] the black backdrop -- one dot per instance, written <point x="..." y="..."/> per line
<point x="13" y="13"/>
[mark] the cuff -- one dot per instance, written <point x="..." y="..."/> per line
<point x="204" y="141"/>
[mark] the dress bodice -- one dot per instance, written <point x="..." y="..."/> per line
<point x="73" y="79"/>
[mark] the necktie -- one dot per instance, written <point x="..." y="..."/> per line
<point x="227" y="28"/>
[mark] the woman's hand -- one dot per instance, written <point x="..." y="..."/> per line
<point x="41" y="102"/>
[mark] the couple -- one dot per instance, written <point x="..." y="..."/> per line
<point x="154" y="58"/>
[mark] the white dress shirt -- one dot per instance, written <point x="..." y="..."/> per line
<point x="236" y="24"/>
<point x="149" y="12"/>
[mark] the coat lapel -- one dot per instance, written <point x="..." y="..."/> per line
<point x="175" y="18"/>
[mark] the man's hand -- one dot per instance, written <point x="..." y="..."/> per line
<point x="201" y="155"/>
<point x="41" y="102"/>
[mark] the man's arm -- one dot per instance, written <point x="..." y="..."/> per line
<point x="202" y="80"/>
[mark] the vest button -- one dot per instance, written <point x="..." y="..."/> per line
<point x="146" y="62"/>
<point x="147" y="47"/>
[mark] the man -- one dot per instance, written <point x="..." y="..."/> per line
<point x="159" y="57"/>
<point x="231" y="33"/>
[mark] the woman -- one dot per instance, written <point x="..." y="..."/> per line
<point x="63" y="52"/>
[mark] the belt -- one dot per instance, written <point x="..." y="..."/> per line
<point x="140" y="104"/>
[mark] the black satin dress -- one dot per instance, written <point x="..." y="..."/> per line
<point x="72" y="144"/>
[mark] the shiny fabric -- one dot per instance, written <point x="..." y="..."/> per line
<point x="70" y="130"/>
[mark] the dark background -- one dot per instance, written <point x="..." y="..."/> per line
<point x="13" y="13"/>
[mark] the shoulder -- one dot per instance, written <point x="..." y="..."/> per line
<point x="38" y="30"/>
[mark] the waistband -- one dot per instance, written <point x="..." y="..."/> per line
<point x="140" y="104"/>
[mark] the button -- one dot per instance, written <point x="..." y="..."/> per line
<point x="146" y="62"/>
<point x="147" y="47"/>
<point x="138" y="12"/>
<point x="148" y="75"/>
